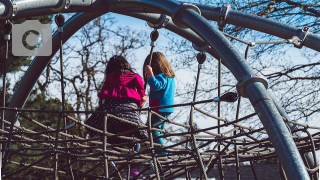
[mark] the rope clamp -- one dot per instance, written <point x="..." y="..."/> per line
<point x="153" y="43"/>
<point x="112" y="164"/>
<point x="7" y="37"/>
<point x="152" y="166"/>
<point x="252" y="44"/>
<point x="164" y="20"/>
<point x="222" y="19"/>
<point x="298" y="41"/>
<point x="243" y="82"/>
<point x="60" y="29"/>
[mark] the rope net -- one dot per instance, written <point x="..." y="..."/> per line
<point x="90" y="158"/>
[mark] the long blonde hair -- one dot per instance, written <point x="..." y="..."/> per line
<point x="159" y="64"/>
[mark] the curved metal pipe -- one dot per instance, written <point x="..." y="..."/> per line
<point x="5" y="9"/>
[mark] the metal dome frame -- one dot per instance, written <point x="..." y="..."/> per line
<point x="190" y="21"/>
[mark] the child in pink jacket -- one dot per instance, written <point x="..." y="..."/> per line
<point x="123" y="90"/>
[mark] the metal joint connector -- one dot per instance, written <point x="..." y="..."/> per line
<point x="62" y="6"/>
<point x="177" y="19"/>
<point x="153" y="43"/>
<point x="200" y="66"/>
<point x="14" y="8"/>
<point x="162" y="23"/>
<point x="67" y="5"/>
<point x="298" y="41"/>
<point x="222" y="19"/>
<point x="243" y="82"/>
<point x="205" y="47"/>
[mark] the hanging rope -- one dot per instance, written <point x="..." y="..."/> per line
<point x="59" y="20"/>
<point x="7" y="28"/>
<point x="154" y="35"/>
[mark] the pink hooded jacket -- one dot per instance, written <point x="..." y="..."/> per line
<point x="128" y="85"/>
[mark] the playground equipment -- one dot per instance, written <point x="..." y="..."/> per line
<point x="191" y="22"/>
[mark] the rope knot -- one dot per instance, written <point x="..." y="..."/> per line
<point x="7" y="27"/>
<point x="154" y="35"/>
<point x="201" y="57"/>
<point x="59" y="19"/>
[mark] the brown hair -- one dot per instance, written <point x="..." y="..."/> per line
<point x="118" y="65"/>
<point x="159" y="64"/>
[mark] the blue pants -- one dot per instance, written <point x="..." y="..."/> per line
<point x="155" y="119"/>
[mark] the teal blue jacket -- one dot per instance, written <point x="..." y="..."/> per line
<point x="161" y="92"/>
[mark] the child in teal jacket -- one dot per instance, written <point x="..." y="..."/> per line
<point x="160" y="78"/>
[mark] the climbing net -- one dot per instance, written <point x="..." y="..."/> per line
<point x="81" y="157"/>
<point x="58" y="152"/>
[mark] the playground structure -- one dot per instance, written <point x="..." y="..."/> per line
<point x="191" y="22"/>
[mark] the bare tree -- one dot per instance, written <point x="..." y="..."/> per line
<point x="86" y="55"/>
<point x="293" y="74"/>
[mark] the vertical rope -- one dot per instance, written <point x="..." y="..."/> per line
<point x="55" y="154"/>
<point x="154" y="159"/>
<point x="104" y="144"/>
<point x="237" y="161"/>
<point x="195" y="149"/>
<point x="153" y="36"/>
<point x="282" y="173"/>
<point x="235" y="145"/>
<point x="253" y="171"/>
<point x="7" y="146"/>
<point x="201" y="57"/>
<point x="59" y="19"/>
<point x="7" y="28"/>
<point x="219" y="109"/>
<point x="188" y="176"/>
<point x="128" y="171"/>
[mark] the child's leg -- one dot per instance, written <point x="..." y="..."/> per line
<point x="155" y="120"/>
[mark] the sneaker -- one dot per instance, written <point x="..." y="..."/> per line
<point x="134" y="172"/>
